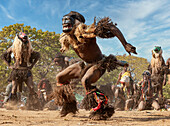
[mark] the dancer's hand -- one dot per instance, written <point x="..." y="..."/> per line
<point x="130" y="49"/>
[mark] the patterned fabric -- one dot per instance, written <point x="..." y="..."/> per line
<point x="101" y="101"/>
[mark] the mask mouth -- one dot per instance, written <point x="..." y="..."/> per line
<point x="68" y="23"/>
<point x="157" y="49"/>
<point x="23" y="37"/>
<point x="67" y="27"/>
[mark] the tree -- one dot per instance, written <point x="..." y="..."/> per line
<point x="166" y="91"/>
<point x="47" y="43"/>
<point x="137" y="63"/>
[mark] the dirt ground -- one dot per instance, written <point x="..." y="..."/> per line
<point x="52" y="118"/>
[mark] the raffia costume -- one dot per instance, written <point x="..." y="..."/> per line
<point x="24" y="57"/>
<point x="147" y="98"/>
<point x="82" y="36"/>
<point x="158" y="69"/>
<point x="168" y="69"/>
<point x="94" y="100"/>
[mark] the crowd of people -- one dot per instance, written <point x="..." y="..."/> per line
<point x="137" y="96"/>
<point x="147" y="93"/>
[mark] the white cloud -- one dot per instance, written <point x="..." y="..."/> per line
<point x="67" y="5"/>
<point x="134" y="16"/>
<point x="144" y="23"/>
<point x="6" y="12"/>
<point x="29" y="3"/>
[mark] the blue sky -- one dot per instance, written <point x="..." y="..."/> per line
<point x="144" y="23"/>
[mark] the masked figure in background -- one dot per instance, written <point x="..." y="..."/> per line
<point x="147" y="101"/>
<point x="61" y="60"/>
<point x="82" y="39"/>
<point x="44" y="90"/>
<point x="64" y="61"/>
<point x="168" y="65"/>
<point x="158" y="72"/>
<point x="25" y="58"/>
<point x="45" y="84"/>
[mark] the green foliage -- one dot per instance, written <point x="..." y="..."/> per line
<point x="44" y="42"/>
<point x="137" y="63"/>
<point x="166" y="91"/>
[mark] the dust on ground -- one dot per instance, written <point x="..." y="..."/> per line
<point x="52" y="118"/>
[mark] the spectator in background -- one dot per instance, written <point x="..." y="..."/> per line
<point x="7" y="92"/>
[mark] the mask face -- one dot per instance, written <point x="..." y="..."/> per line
<point x="146" y="75"/>
<point x="157" y="49"/>
<point x="23" y="37"/>
<point x="68" y="23"/>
